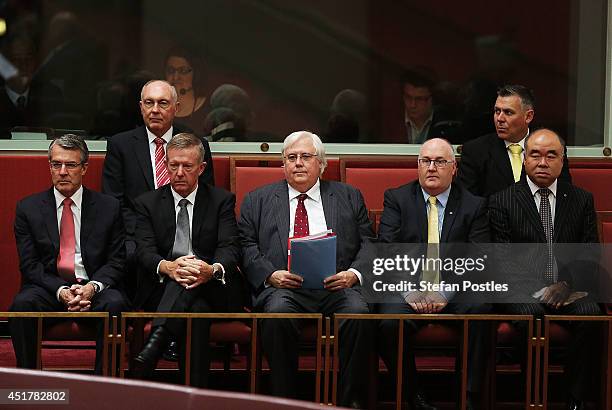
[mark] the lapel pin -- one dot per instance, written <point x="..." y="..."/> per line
<point x="450" y="213"/>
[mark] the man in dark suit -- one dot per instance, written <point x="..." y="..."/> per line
<point x="493" y="162"/>
<point x="300" y="205"/>
<point x="131" y="166"/>
<point x="71" y="250"/>
<point x="187" y="251"/>
<point x="544" y="209"/>
<point x="422" y="118"/>
<point x="409" y="217"/>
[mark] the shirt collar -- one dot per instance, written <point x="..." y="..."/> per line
<point x="313" y="193"/>
<point x="521" y="142"/>
<point x="14" y="96"/>
<point x="442" y="197"/>
<point x="77" y="197"/>
<point x="428" y="121"/>
<point x="534" y="188"/>
<point x="166" y="137"/>
<point x="191" y="197"/>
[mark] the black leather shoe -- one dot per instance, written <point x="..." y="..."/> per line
<point x="145" y="361"/>
<point x="171" y="352"/>
<point x="574" y="404"/>
<point x="419" y="402"/>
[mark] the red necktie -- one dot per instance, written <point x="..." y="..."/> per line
<point x="65" y="261"/>
<point x="300" y="225"/>
<point x="161" y="172"/>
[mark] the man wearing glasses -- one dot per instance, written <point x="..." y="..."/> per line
<point x="71" y="249"/>
<point x="300" y="205"/>
<point x="418" y="107"/>
<point x="432" y="210"/>
<point x="134" y="162"/>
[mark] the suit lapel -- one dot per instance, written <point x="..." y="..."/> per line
<point x="281" y="207"/>
<point x="421" y="212"/>
<point x="169" y="226"/>
<point x="330" y="209"/>
<point x="49" y="211"/>
<point x="199" y="212"/>
<point x="143" y="155"/>
<point x="88" y="218"/>
<point x="499" y="153"/>
<point x="562" y="208"/>
<point x="526" y="201"/>
<point x="450" y="212"/>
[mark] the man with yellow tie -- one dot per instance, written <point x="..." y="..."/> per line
<point x="493" y="162"/>
<point x="432" y="210"/>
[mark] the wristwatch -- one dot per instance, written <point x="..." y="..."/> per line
<point x="96" y="287"/>
<point x="218" y="273"/>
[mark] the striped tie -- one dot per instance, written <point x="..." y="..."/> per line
<point x="161" y="172"/>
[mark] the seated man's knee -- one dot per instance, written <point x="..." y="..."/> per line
<point x="23" y="303"/>
<point x="280" y="301"/>
<point x="354" y="303"/>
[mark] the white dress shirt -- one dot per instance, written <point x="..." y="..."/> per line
<point x="77" y="201"/>
<point x="152" y="147"/>
<point x="316" y="215"/>
<point x="191" y="198"/>
<point x="552" y="199"/>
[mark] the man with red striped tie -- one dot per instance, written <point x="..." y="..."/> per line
<point x="134" y="162"/>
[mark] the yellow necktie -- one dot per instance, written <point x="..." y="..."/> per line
<point x="516" y="161"/>
<point x="431" y="273"/>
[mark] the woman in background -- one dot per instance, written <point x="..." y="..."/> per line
<point x="184" y="72"/>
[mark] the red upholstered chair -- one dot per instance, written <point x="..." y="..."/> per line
<point x="595" y="176"/>
<point x="373" y="178"/>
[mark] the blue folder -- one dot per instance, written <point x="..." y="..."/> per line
<point x="314" y="260"/>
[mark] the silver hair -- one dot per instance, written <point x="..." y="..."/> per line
<point x="185" y="140"/>
<point x="316" y="141"/>
<point x="172" y="89"/>
<point x="71" y="142"/>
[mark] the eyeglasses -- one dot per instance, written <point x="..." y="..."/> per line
<point x="438" y="163"/>
<point x="306" y="157"/>
<point x="180" y="70"/>
<point x="163" y="104"/>
<point x="69" y="165"/>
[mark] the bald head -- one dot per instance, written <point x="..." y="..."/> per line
<point x="437" y="166"/>
<point x="438" y="144"/>
<point x="544" y="152"/>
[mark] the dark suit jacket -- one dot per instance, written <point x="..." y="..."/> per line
<point x="264" y="228"/>
<point x="102" y="239"/>
<point x="404" y="219"/>
<point x="515" y="219"/>
<point x="128" y="172"/>
<point x="214" y="235"/>
<point x="485" y="167"/>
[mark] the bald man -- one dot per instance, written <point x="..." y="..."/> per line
<point x="461" y="218"/>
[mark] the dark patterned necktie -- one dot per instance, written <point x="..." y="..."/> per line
<point x="300" y="225"/>
<point x="547" y="223"/>
<point x="181" y="238"/>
